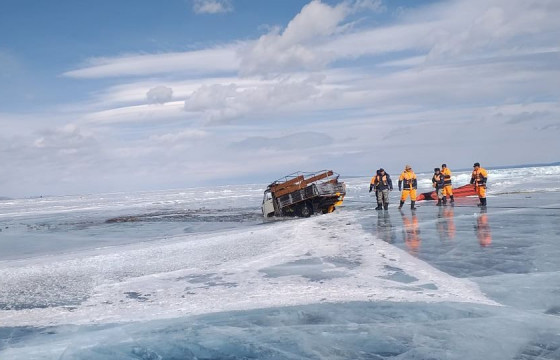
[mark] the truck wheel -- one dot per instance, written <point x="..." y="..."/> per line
<point x="305" y="210"/>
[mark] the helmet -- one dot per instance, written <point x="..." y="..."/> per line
<point x="436" y="169"/>
<point x="443" y="165"/>
<point x="476" y="164"/>
<point x="381" y="169"/>
<point x="408" y="167"/>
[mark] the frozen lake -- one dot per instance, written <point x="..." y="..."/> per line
<point x="197" y="273"/>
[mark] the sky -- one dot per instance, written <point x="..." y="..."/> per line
<point x="130" y="95"/>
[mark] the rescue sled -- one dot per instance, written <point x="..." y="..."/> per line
<point x="462" y="191"/>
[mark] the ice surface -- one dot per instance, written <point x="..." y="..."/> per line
<point x="198" y="274"/>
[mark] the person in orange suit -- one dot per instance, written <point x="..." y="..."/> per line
<point x="483" y="229"/>
<point x="478" y="179"/>
<point x="447" y="187"/>
<point x="408" y="184"/>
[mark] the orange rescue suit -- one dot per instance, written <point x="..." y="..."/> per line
<point x="478" y="178"/>
<point x="447" y="187"/>
<point x="408" y="181"/>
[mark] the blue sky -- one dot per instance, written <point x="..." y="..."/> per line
<point x="101" y="96"/>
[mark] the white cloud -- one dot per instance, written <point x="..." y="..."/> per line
<point x="181" y="136"/>
<point x="374" y="5"/>
<point x="159" y="95"/>
<point x="212" y="6"/>
<point x="220" y="103"/>
<point x="140" y="114"/>
<point x="293" y="48"/>
<point x="214" y="60"/>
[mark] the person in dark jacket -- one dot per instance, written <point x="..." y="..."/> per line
<point x="383" y="184"/>
<point x="372" y="187"/>
<point x="438" y="182"/>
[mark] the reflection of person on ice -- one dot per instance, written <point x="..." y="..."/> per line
<point x="382" y="184"/>
<point x="411" y="233"/>
<point x="385" y="228"/>
<point x="445" y="224"/>
<point x="447" y="187"/>
<point x="408" y="184"/>
<point x="478" y="179"/>
<point x="483" y="229"/>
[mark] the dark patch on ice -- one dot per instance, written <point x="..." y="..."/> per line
<point x="398" y="275"/>
<point x="312" y="318"/>
<point x="314" y="269"/>
<point x="10" y="336"/>
<point x="234" y="215"/>
<point x="428" y="286"/>
<point x="555" y="310"/>
<point x="38" y="303"/>
<point x="207" y="280"/>
<point x="544" y="347"/>
<point x="340" y="261"/>
<point x="145" y="353"/>
<point x="137" y="296"/>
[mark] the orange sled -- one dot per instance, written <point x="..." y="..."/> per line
<point x="462" y="191"/>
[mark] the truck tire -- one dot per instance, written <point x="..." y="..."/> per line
<point x="305" y="210"/>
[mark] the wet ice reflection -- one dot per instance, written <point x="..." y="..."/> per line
<point x="483" y="232"/>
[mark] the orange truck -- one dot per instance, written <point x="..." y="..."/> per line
<point x="303" y="194"/>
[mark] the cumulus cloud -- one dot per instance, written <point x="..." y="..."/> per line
<point x="159" y="95"/>
<point x="483" y="28"/>
<point x="219" y="103"/>
<point x="292" y="49"/>
<point x="68" y="139"/>
<point x="212" y="6"/>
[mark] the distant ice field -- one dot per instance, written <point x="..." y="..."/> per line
<point x="198" y="273"/>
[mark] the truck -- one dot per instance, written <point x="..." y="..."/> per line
<point x="303" y="194"/>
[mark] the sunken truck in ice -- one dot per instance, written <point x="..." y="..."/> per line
<point x="303" y="194"/>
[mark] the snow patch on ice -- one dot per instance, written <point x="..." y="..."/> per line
<point x="327" y="258"/>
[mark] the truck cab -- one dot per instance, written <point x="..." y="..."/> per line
<point x="267" y="204"/>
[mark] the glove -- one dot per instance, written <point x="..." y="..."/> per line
<point x="370" y="188"/>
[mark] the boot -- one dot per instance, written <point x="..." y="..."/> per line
<point x="483" y="202"/>
<point x="452" y="200"/>
<point x="401" y="204"/>
<point x="444" y="199"/>
<point x="386" y="206"/>
<point x="412" y="205"/>
<point x="379" y="206"/>
<point x="438" y="202"/>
